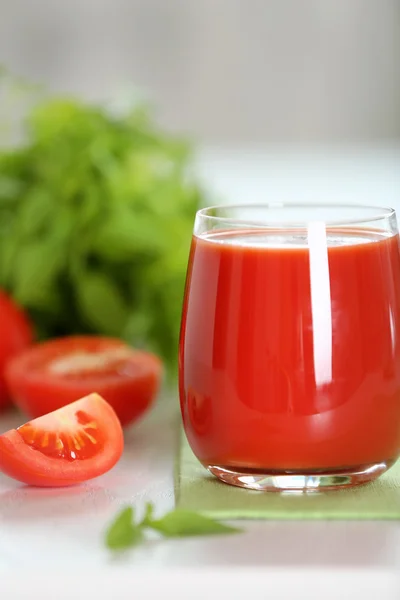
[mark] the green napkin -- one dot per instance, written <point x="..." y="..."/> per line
<point x="197" y="490"/>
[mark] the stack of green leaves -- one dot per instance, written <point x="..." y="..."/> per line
<point x="96" y="214"/>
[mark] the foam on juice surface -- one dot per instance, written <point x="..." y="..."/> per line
<point x="270" y="238"/>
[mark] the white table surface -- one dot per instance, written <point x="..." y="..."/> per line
<point x="46" y="534"/>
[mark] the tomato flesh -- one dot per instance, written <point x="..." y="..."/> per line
<point x="77" y="443"/>
<point x="94" y="362"/>
<point x="73" y="444"/>
<point x="51" y="374"/>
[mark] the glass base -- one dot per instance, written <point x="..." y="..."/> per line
<point x="313" y="480"/>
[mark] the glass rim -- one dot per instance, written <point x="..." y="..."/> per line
<point x="382" y="212"/>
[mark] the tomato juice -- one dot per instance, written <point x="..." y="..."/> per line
<point x="290" y="348"/>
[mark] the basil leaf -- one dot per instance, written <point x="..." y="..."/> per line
<point x="35" y="268"/>
<point x="101" y="303"/>
<point x="126" y="234"/>
<point x="182" y="523"/>
<point x="148" y="515"/>
<point x="123" y="533"/>
<point x="36" y="212"/>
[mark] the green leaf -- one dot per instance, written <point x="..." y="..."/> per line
<point x="126" y="234"/>
<point x="182" y="523"/>
<point x="53" y="117"/>
<point x="10" y="190"/>
<point x="9" y="247"/>
<point x="148" y="515"/>
<point x="36" y="267"/>
<point x="123" y="533"/>
<point x="35" y="212"/>
<point x="101" y="304"/>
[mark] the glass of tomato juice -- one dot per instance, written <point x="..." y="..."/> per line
<point x="289" y="359"/>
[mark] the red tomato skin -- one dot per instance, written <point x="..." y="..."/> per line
<point x="23" y="463"/>
<point x="36" y="392"/>
<point x="16" y="334"/>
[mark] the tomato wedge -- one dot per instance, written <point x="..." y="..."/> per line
<point x="73" y="444"/>
<point x="51" y="374"/>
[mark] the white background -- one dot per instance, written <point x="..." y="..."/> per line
<point x="227" y="71"/>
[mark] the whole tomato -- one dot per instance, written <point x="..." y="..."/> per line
<point x="16" y="334"/>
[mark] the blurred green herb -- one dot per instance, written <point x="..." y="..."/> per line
<point x="96" y="213"/>
<point x="124" y="532"/>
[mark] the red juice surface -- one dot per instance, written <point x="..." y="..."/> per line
<point x="290" y="350"/>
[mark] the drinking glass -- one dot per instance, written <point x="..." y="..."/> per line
<point x="289" y="358"/>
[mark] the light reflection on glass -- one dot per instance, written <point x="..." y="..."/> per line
<point x="320" y="301"/>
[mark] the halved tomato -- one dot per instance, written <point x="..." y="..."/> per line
<point x="51" y="374"/>
<point x="73" y="444"/>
